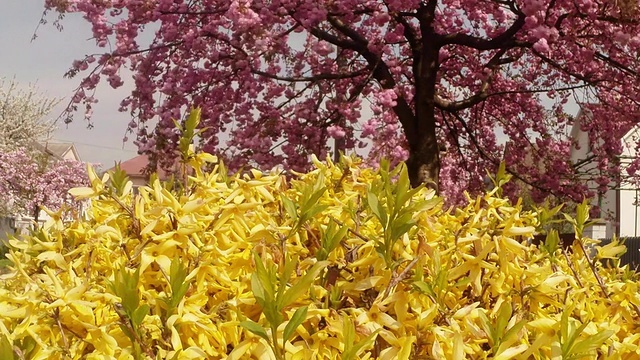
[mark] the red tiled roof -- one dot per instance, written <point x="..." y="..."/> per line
<point x="136" y="166"/>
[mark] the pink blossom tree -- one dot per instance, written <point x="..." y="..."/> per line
<point x="430" y="81"/>
<point x="28" y="183"/>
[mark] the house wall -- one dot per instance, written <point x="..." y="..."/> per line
<point x="629" y="193"/>
<point x="629" y="213"/>
<point x="619" y="205"/>
<point x="7" y="228"/>
<point x="137" y="180"/>
<point x="70" y="155"/>
<point x="607" y="201"/>
<point x="608" y="212"/>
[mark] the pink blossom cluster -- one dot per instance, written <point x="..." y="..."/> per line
<point x="29" y="182"/>
<point x="276" y="79"/>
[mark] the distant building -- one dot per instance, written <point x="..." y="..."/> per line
<point x="135" y="169"/>
<point x="59" y="151"/>
<point x="619" y="204"/>
<point x="20" y="223"/>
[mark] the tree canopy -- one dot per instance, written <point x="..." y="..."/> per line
<point x="431" y="81"/>
<point x="30" y="181"/>
<point x="30" y="177"/>
<point x="22" y="116"/>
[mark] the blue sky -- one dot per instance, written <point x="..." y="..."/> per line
<point x="44" y="62"/>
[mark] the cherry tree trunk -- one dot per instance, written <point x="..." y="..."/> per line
<point x="423" y="164"/>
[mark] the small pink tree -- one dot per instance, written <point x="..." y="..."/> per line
<point x="27" y="183"/>
<point x="430" y="81"/>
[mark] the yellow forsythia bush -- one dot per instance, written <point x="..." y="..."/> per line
<point x="343" y="262"/>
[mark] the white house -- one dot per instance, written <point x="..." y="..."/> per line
<point x="20" y="223"/>
<point x="60" y="151"/>
<point x="620" y="211"/>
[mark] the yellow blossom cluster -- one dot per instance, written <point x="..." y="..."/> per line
<point x="343" y="262"/>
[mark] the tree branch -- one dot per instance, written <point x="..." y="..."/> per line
<point x="310" y="78"/>
<point x="482" y="93"/>
<point x="379" y="69"/>
<point x="493" y="160"/>
<point x="506" y="39"/>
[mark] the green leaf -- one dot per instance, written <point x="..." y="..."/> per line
<point x="404" y="192"/>
<point x="296" y="319"/>
<point x="564" y="324"/>
<point x="317" y="186"/>
<point x="424" y="205"/>
<point x="258" y="290"/>
<point x="177" y="124"/>
<point x="401" y="226"/>
<point x="177" y="296"/>
<point x="138" y="316"/>
<point x="137" y="350"/>
<point x="353" y="351"/>
<point x="314" y="210"/>
<point x="349" y="333"/>
<point x="6" y="349"/>
<point x="313" y="200"/>
<point x="119" y="179"/>
<point x="418" y="272"/>
<point x="311" y="212"/>
<point x="592" y="343"/>
<point x="582" y="212"/>
<point x="127" y="331"/>
<point x="177" y="276"/>
<point x="426" y="289"/>
<point x="223" y="172"/>
<point x="331" y="239"/>
<point x="487" y="326"/>
<point x="552" y="242"/>
<point x="501" y="178"/>
<point x="568" y="344"/>
<point x="303" y="284"/>
<point x="289" y="268"/>
<point x="28" y="346"/>
<point x="289" y="207"/>
<point x="570" y="219"/>
<point x="376" y="208"/>
<point x="273" y="314"/>
<point x="513" y="331"/>
<point x="256" y="329"/>
<point x="322" y="254"/>
<point x="125" y="286"/>
<point x="189" y="131"/>
<point x="264" y="278"/>
<point x="504" y="315"/>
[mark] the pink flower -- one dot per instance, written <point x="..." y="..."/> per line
<point x="336" y="132"/>
<point x="541" y="46"/>
<point x="269" y="75"/>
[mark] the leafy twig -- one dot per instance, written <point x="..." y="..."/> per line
<point x="573" y="269"/>
<point x="397" y="278"/>
<point x="354" y="232"/>
<point x="56" y="316"/>
<point x="594" y="270"/>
